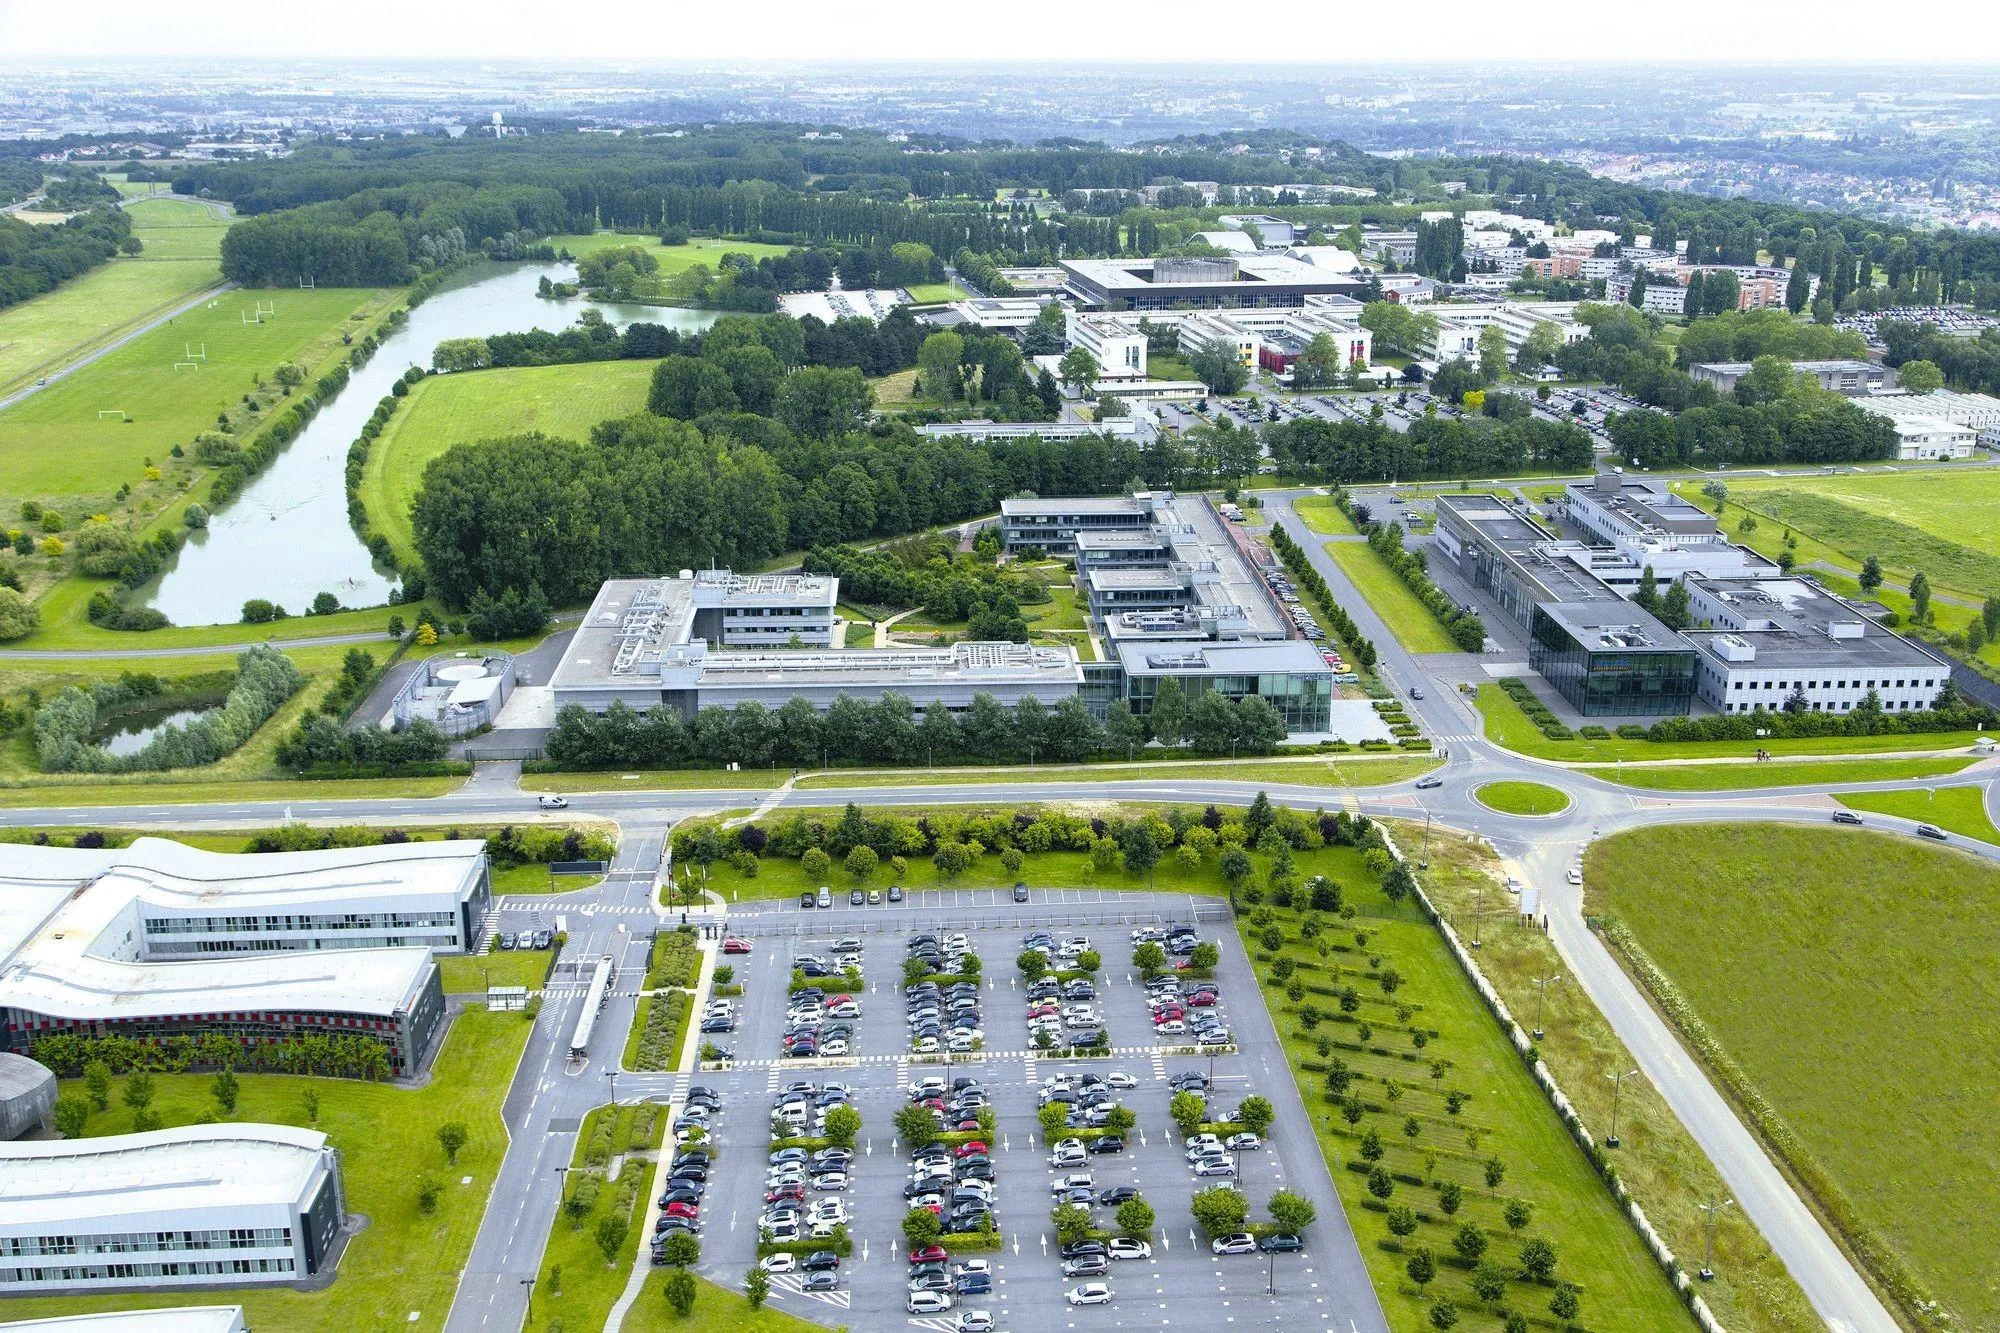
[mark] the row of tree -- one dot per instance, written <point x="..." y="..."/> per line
<point x="71" y="1054"/>
<point x="37" y="259"/>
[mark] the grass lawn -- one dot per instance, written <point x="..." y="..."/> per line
<point x="173" y="229"/>
<point x="577" y="1286"/>
<point x="534" y="877"/>
<point x="55" y="445"/>
<point x="1330" y="770"/>
<point x="66" y="626"/>
<point x="1507" y="726"/>
<point x="900" y="387"/>
<point x="1408" y="619"/>
<point x="1909" y="520"/>
<point x="465" y="973"/>
<point x="1779" y="773"/>
<point x="50" y="331"/>
<point x="1827" y="964"/>
<point x="1522" y="798"/>
<point x="716" y="1310"/>
<point x="1660" y="1162"/>
<point x="403" y="1269"/>
<point x="672" y="258"/>
<point x="1323" y="515"/>
<point x="445" y="410"/>
<point x="1402" y="1085"/>
<point x="1960" y="810"/>
<point x="936" y="293"/>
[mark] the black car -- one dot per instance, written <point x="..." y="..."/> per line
<point x="716" y="1025"/>
<point x="820" y="1261"/>
<point x="1076" y="1249"/>
<point x="1020" y="893"/>
<point x="806" y="899"/>
<point x="856" y="898"/>
<point x="1280" y="1244"/>
<point x="895" y="893"/>
<point x="1117" y="1194"/>
<point x="1110" y="1143"/>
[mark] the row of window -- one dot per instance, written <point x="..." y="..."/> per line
<point x="211" y="925"/>
<point x="448" y="936"/>
<point x="1890" y="706"/>
<point x="139" y="1242"/>
<point x="1857" y="684"/>
<point x="75" y="1273"/>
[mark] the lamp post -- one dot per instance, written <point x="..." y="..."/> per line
<point x="1424" y="859"/>
<point x="1542" y="985"/>
<point x="1617" y="1086"/>
<point x="612" y="1074"/>
<point x="1707" y="1273"/>
<point x="1477" y="903"/>
<point x="529" y="1317"/>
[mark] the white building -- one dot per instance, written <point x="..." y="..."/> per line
<point x="763" y="610"/>
<point x="1979" y="412"/>
<point x="167" y="1319"/>
<point x="1236" y="242"/>
<point x="1119" y="348"/>
<point x="1211" y="328"/>
<point x="1762" y="642"/>
<point x="1929" y="440"/>
<point x="1270" y="232"/>
<point x="202" y="1205"/>
<point x="1329" y="257"/>
<point x="1011" y="313"/>
<point x="1459" y="326"/>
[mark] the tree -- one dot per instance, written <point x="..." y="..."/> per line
<point x="1256" y="1114"/>
<point x="680" y="1250"/>
<point x="921" y="1227"/>
<point x="680" y="1292"/>
<point x="1402" y="1220"/>
<point x="937" y="363"/>
<point x="843" y="1122"/>
<point x="1538" y="1259"/>
<point x="916" y="1126"/>
<point x="1920" y="597"/>
<point x="1518" y="1214"/>
<point x="1032" y="964"/>
<point x="1674" y="612"/>
<point x="1169" y="715"/>
<point x="1871" y="574"/>
<point x="224" y="1087"/>
<point x="1648" y="595"/>
<point x="952" y="859"/>
<point x="1219" y="1211"/>
<point x="820" y="403"/>
<point x="18" y="616"/>
<point x="1470" y="1242"/>
<point x="1798" y="287"/>
<point x="1236" y="866"/>
<point x="1293" y="1213"/>
<point x="97" y="1084"/>
<point x="861" y="862"/>
<point x="1492" y="353"/>
<point x="1089" y="961"/>
<point x="1149" y="958"/>
<point x="1135" y="1218"/>
<point x="816" y="864"/>
<point x="451" y="1136"/>
<point x="1565" y="1304"/>
<point x="429" y="1191"/>
<point x="757" y="1283"/>
<point x="1380" y="1183"/>
<point x="1142" y="850"/>
<point x="1187" y="1110"/>
<point x="1443" y="1314"/>
<point x="72" y="1115"/>
<point x="1053" y="1118"/>
<point x="1205" y="956"/>
<point x="610" y="1234"/>
<point x="1217" y="364"/>
<point x="1077" y="370"/>
<point x="1496" y="1171"/>
<point x="138" y="1090"/>
<point x="1071" y="1222"/>
<point x="1920" y="376"/>
<point x="1422" y="1267"/>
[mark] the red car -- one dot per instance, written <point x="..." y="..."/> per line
<point x="734" y="945"/>
<point x="972" y="1149"/>
<point x="929" y="1254"/>
<point x="785" y="1192"/>
<point x="1202" y="999"/>
<point x="1168" y="1011"/>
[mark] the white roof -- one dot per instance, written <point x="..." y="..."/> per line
<point x="54" y="1181"/>
<point x="1238" y="241"/>
<point x="169" y="1319"/>
<point x="1329" y="257"/>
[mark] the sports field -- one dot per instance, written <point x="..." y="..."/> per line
<point x="444" y="410"/>
<point x="1937" y="521"/>
<point x="672" y="258"/>
<point x="182" y="241"/>
<point x="1848" y="976"/>
<point x="58" y="443"/>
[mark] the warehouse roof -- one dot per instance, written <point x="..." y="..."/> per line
<point x="167" y="1319"/>
<point x="193" y="1167"/>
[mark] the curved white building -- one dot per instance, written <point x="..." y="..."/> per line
<point x="199" y="1205"/>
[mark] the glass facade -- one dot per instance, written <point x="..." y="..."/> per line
<point x="1611" y="682"/>
<point x="1303" y="701"/>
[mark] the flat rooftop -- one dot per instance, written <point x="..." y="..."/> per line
<point x="905" y="670"/>
<point x="50" y="1182"/>
<point x="1252" y="271"/>
<point x="1647" y="505"/>
<point x="1120" y="539"/>
<point x="1788" y="621"/>
<point x="1617" y="626"/>
<point x="166" y="1319"/>
<point x="1243" y="657"/>
<point x="1065" y="506"/>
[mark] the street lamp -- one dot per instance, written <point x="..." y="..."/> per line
<point x="1707" y="1273"/>
<point x="612" y="1074"/>
<point x="1477" y="903"/>
<point x="529" y="1317"/>
<point x="1424" y="859"/>
<point x="1617" y="1086"/>
<point x="1542" y="985"/>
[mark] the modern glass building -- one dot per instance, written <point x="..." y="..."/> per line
<point x="1288" y="674"/>
<point x="1612" y="660"/>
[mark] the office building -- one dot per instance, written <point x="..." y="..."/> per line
<point x="1782" y="643"/>
<point x="1238" y="282"/>
<point x="1844" y="376"/>
<point x="1052" y="524"/>
<point x="1201" y="331"/>
<point x="1978" y="412"/>
<point x="1459" y="326"/>
<point x="1390" y="247"/>
<point x="160" y="940"/>
<point x="202" y="1205"/>
<point x="1120" y="350"/>
<point x="1632" y="524"/>
<point x="1929" y="440"/>
<point x="1008" y="314"/>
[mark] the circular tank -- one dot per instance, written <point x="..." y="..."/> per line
<point x="27" y="1095"/>
<point x="459" y="671"/>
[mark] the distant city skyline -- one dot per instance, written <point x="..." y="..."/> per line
<point x="619" y="32"/>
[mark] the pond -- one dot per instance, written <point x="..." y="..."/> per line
<point x="285" y="537"/>
<point x="133" y="732"/>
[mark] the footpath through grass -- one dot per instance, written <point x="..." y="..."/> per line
<point x="1960" y="810"/>
<point x="1407" y="618"/>
<point x="1430" y="1093"/>
<point x="1844" y="978"/>
<point x="1660" y="1162"/>
<point x="403" y="1269"/>
<point x="441" y="411"/>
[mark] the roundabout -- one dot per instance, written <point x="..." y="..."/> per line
<point x="1533" y="799"/>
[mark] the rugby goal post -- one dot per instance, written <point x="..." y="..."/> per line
<point x="187" y="365"/>
<point x="112" y="412"/>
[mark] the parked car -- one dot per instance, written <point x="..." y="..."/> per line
<point x="1240" y="1242"/>
<point x="927" y="1302"/>
<point x="1124" y="1247"/>
<point x="1089" y="1293"/>
<point x="1281" y="1244"/>
<point x="735" y="945"/>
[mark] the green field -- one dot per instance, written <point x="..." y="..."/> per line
<point x="936" y="293"/>
<point x="672" y="258"/>
<point x="1522" y="798"/>
<point x="182" y="242"/>
<point x="1403" y="1084"/>
<point x="1828" y="965"/>
<point x="1777" y="773"/>
<point x="1408" y="619"/>
<point x="465" y="974"/>
<point x="444" y="410"/>
<point x="1908" y="519"/>
<point x="1660" y="1162"/>
<point x="403" y="1269"/>
<point x="716" y="1310"/>
<point x="576" y="1286"/>
<point x="54" y="445"/>
<point x="1322" y="515"/>
<point x="1960" y="810"/>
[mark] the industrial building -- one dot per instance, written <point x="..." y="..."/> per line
<point x="1841" y="376"/>
<point x="1270" y="233"/>
<point x="27" y="1096"/>
<point x="202" y="1205"/>
<point x="167" y="1319"/>
<point x="1977" y="412"/>
<point x="159" y="939"/>
<point x="1120" y="350"/>
<point x="1773" y="643"/>
<point x="1237" y="282"/>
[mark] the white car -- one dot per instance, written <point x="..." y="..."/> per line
<point x="552" y="803"/>
<point x="1121" y="1079"/>
<point x="829" y="1210"/>
<point x="1214" y="1167"/>
<point x="1089" y="1293"/>
<point x="974" y="1321"/>
<point x="782" y="1262"/>
<point x="1124" y="1247"/>
<point x="974" y="1266"/>
<point x="1239" y="1142"/>
<point x="1172" y="1027"/>
<point x="927" y="1302"/>
<point x="1575" y="875"/>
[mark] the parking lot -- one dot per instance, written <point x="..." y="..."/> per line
<point x="1323" y="1287"/>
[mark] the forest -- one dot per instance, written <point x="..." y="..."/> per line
<point x="37" y="259"/>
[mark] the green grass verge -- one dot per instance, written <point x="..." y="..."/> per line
<point x="65" y="628"/>
<point x="671" y="258"/>
<point x="717" y="1309"/>
<point x="1760" y="928"/>
<point x="403" y="1269"/>
<point x="1507" y="726"/>
<point x="1522" y="798"/>
<point x="1407" y="618"/>
<point x="1322" y="515"/>
<point x="1909" y="520"/>
<point x="465" y="974"/>
<point x="1338" y="770"/>
<point x="1960" y="810"/>
<point x="1779" y="773"/>
<point x="577" y="1286"/>
<point x="564" y="401"/>
<point x="659" y="1032"/>
<point x="934" y="293"/>
<point x="1506" y="1114"/>
<point x="534" y="877"/>
<point x="1660" y="1162"/>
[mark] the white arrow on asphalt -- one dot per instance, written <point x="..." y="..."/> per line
<point x="1045" y="1242"/>
<point x="1017" y="1242"/>
<point x="1166" y="1241"/>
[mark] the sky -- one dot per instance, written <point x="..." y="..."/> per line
<point x="1207" y="31"/>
